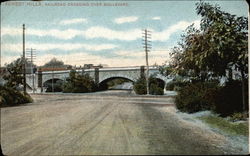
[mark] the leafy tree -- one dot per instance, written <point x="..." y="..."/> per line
<point x="9" y="95"/>
<point x="219" y="46"/>
<point x="15" y="69"/>
<point x="228" y="34"/>
<point x="79" y="83"/>
<point x="166" y="70"/>
<point x="140" y="86"/>
<point x="155" y="87"/>
<point x="15" y="76"/>
<point x="54" y="63"/>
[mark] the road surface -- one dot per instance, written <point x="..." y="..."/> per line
<point x="102" y="123"/>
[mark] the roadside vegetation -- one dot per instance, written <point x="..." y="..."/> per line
<point x="155" y="87"/>
<point x="12" y="97"/>
<point x="234" y="128"/>
<point x="206" y="55"/>
<point x="77" y="83"/>
<point x="10" y="92"/>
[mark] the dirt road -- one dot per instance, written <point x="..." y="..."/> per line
<point x="83" y="124"/>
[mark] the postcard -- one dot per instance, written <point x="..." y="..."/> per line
<point x="146" y="77"/>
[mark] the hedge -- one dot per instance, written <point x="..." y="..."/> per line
<point x="224" y="100"/>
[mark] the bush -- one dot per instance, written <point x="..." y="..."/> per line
<point x="170" y="86"/>
<point x="196" y="97"/>
<point x="12" y="97"/>
<point x="140" y="86"/>
<point x="155" y="90"/>
<point x="79" y="83"/>
<point x="225" y="100"/>
<point x="229" y="98"/>
<point x="155" y="87"/>
<point x="67" y="88"/>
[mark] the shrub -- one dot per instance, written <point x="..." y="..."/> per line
<point x="225" y="100"/>
<point x="12" y="97"/>
<point x="155" y="87"/>
<point x="140" y="86"/>
<point x="196" y="97"/>
<point x="67" y="87"/>
<point x="155" y="90"/>
<point x="170" y="86"/>
<point x="229" y="98"/>
<point x="79" y="83"/>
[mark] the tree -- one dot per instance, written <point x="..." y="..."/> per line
<point x="155" y="87"/>
<point x="54" y="63"/>
<point x="219" y="46"/>
<point x="15" y="69"/>
<point x="15" y="76"/>
<point x="79" y="83"/>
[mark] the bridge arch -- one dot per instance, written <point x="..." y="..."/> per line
<point x="50" y="81"/>
<point x="103" y="85"/>
<point x="57" y="84"/>
<point x="50" y="76"/>
<point x="159" y="82"/>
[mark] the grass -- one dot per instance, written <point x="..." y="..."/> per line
<point x="227" y="126"/>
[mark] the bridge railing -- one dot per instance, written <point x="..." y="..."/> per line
<point x="100" y="69"/>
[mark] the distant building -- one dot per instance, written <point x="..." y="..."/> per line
<point x="91" y="66"/>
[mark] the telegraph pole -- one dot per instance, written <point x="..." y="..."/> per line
<point x="32" y="56"/>
<point x="147" y="46"/>
<point x="52" y="79"/>
<point x="24" y="68"/>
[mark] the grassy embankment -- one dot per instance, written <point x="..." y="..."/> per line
<point x="234" y="128"/>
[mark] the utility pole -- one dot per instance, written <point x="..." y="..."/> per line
<point x="24" y="61"/>
<point x="147" y="46"/>
<point x="52" y="78"/>
<point x="31" y="56"/>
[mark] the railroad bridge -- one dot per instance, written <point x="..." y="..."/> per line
<point x="100" y="75"/>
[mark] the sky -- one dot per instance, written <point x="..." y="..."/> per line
<point x="99" y="32"/>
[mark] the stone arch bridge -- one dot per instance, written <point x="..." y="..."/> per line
<point x="98" y="74"/>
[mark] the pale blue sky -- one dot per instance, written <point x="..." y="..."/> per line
<point x="99" y="34"/>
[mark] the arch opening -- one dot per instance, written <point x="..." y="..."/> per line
<point x="53" y="85"/>
<point x="156" y="86"/>
<point x="116" y="83"/>
<point x="159" y="82"/>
